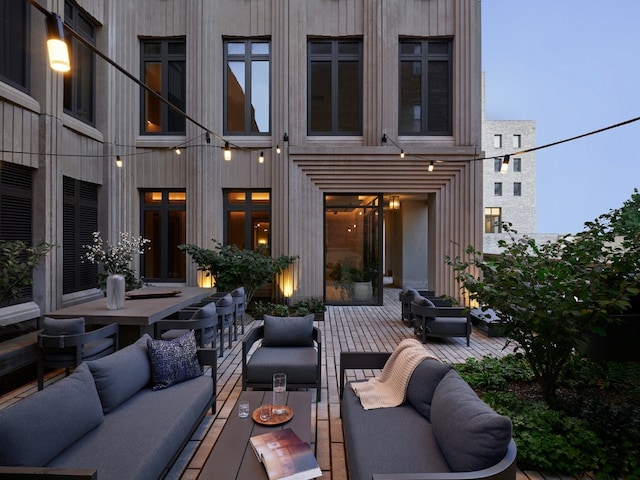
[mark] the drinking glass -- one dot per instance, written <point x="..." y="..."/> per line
<point x="265" y="412"/>
<point x="243" y="409"/>
<point x="279" y="393"/>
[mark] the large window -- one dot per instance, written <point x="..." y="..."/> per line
<point x="248" y="219"/>
<point x="14" y="43"/>
<point x="492" y="220"/>
<point x="335" y="87"/>
<point x="425" y="87"/>
<point x="16" y="192"/>
<point x="80" y="220"/>
<point x="79" y="82"/>
<point x="163" y="70"/>
<point x="247" y="87"/>
<point x="164" y="223"/>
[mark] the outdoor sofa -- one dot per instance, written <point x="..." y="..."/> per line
<point x="106" y="421"/>
<point x="442" y="431"/>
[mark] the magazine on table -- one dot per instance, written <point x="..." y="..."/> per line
<point x="285" y="456"/>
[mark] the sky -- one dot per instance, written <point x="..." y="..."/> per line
<point x="572" y="66"/>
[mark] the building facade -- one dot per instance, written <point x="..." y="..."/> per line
<point x="332" y="112"/>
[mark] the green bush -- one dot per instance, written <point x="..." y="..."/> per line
<point x="593" y="426"/>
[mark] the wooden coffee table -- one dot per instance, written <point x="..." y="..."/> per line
<point x="232" y="456"/>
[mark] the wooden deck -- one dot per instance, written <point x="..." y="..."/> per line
<point x="357" y="328"/>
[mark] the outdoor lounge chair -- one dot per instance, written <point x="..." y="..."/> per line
<point x="430" y="320"/>
<point x="291" y="345"/>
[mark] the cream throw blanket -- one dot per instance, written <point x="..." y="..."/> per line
<point x="390" y="389"/>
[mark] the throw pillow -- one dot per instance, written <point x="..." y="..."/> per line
<point x="423" y="383"/>
<point x="288" y="331"/>
<point x="173" y="361"/>
<point x="420" y="300"/>
<point x="470" y="434"/>
<point x="62" y="326"/>
<point x="120" y="375"/>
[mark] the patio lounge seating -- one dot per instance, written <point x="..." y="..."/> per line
<point x="430" y="320"/>
<point x="105" y="419"/>
<point x="203" y="321"/>
<point x="443" y="430"/>
<point x="291" y="345"/>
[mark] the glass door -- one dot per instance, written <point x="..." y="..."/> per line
<point x="352" y="247"/>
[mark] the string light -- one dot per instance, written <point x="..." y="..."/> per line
<point x="505" y="164"/>
<point x="430" y="168"/>
<point x="227" y="151"/>
<point x="118" y="162"/>
<point x="178" y="151"/>
<point x="261" y="157"/>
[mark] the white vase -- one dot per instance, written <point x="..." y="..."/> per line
<point x="115" y="291"/>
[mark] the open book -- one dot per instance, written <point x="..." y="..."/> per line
<point x="285" y="456"/>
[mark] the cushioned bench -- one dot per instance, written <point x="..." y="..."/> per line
<point x="442" y="431"/>
<point x="120" y="416"/>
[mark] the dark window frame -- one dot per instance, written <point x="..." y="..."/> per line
<point x="80" y="220"/>
<point x="517" y="189"/>
<point x="248" y="208"/>
<point x="16" y="212"/>
<point x="424" y="58"/>
<point x="247" y="58"/>
<point x="517" y="164"/>
<point x="165" y="59"/>
<point x="334" y="58"/>
<point x="497" y="189"/>
<point x="164" y="207"/>
<point x="81" y="75"/>
<point x="15" y="43"/>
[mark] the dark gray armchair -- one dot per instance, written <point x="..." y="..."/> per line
<point x="430" y="320"/>
<point x="291" y="345"/>
<point x="203" y="321"/>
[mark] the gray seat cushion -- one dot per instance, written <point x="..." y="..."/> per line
<point x="470" y="434"/>
<point x="447" y="326"/>
<point x="123" y="373"/>
<point x="387" y="440"/>
<point x="39" y="427"/>
<point x="288" y="331"/>
<point x="299" y="363"/>
<point x="140" y="438"/>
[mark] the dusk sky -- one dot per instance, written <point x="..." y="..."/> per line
<point x="572" y="66"/>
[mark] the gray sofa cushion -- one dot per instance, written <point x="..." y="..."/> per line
<point x="139" y="439"/>
<point x="387" y="440"/>
<point x="173" y="361"/>
<point x="470" y="434"/>
<point x="288" y="331"/>
<point x="38" y="428"/>
<point x="423" y="383"/>
<point x="299" y="363"/>
<point x="120" y="375"/>
<point x="63" y="326"/>
<point x="420" y="300"/>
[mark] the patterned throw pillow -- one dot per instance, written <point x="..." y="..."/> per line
<point x="173" y="361"/>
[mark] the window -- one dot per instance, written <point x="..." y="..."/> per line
<point x="492" y="220"/>
<point x="517" y="143"/>
<point x="247" y="87"/>
<point x="16" y="194"/>
<point x="163" y="70"/>
<point x="79" y="82"/>
<point x="248" y="219"/>
<point x="497" y="164"/>
<point x="497" y="189"/>
<point x="517" y="164"/>
<point x="497" y="141"/>
<point x="80" y="220"/>
<point x="14" y="43"/>
<point x="164" y="223"/>
<point x="335" y="87"/>
<point x="517" y="189"/>
<point x="425" y="87"/>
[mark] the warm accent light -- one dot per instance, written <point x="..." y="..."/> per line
<point x="401" y="153"/>
<point x="261" y="157"/>
<point x="178" y="151"/>
<point x="394" y="202"/>
<point x="227" y="151"/>
<point x="118" y="162"/>
<point x="430" y="168"/>
<point x="505" y="164"/>
<point x="58" y="51"/>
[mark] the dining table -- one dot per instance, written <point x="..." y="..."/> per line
<point x="143" y="307"/>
